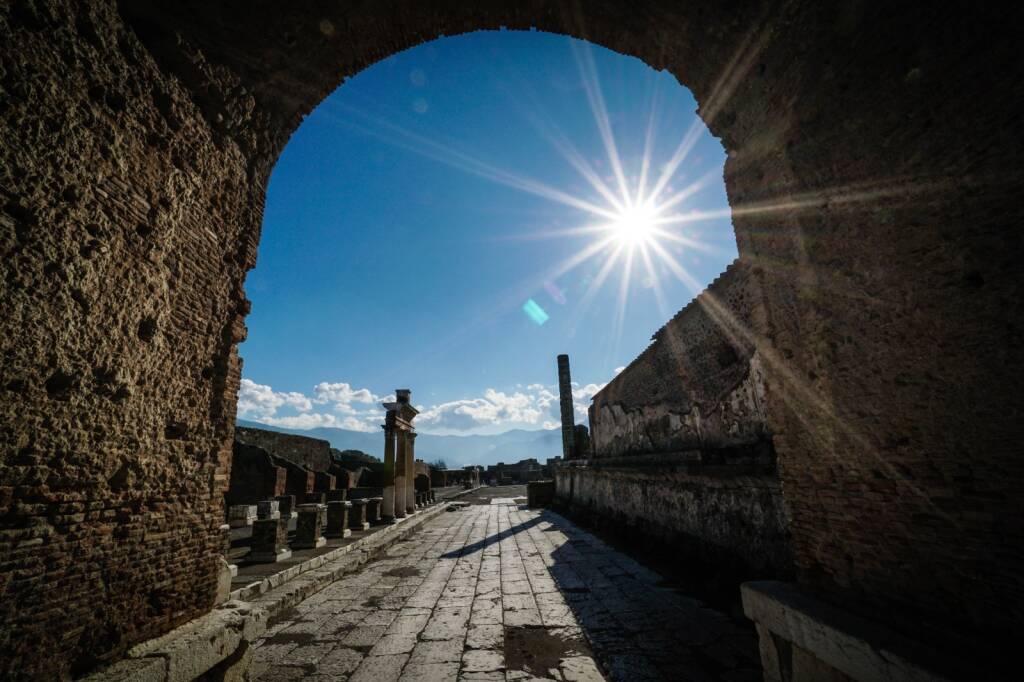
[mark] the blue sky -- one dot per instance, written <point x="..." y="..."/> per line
<point x="419" y="223"/>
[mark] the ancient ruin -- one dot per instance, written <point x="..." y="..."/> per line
<point x="840" y="410"/>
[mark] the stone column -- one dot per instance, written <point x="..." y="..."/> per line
<point x="565" y="402"/>
<point x="400" y="474"/>
<point x="337" y="519"/>
<point x="410" y="472"/>
<point x="387" y="507"/>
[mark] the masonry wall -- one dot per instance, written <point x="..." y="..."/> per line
<point x="682" y="452"/>
<point x="696" y="386"/>
<point x="254" y="476"/>
<point x="312" y="453"/>
<point x="118" y="368"/>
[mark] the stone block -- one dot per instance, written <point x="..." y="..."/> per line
<point x="201" y="644"/>
<point x="357" y="515"/>
<point x="268" y="509"/>
<point x="337" y="519"/>
<point x="373" y="505"/>
<point x="286" y="506"/>
<point x="318" y="497"/>
<point x="823" y="641"/>
<point x="269" y="541"/>
<point x="338" y="495"/>
<point x="241" y="515"/>
<point x="309" y="527"/>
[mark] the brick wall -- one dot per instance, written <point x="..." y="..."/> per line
<point x="254" y="476"/>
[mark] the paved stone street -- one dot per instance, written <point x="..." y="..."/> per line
<point x="496" y="591"/>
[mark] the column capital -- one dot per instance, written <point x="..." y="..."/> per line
<point x="411" y="434"/>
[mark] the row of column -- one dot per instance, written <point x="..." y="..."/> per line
<point x="399" y="473"/>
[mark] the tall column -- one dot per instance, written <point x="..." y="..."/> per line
<point x="565" y="402"/>
<point x="387" y="511"/>
<point x="410" y="475"/>
<point x="400" y="474"/>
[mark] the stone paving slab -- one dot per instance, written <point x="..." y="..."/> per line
<point x="500" y="592"/>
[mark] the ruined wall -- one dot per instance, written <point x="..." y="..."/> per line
<point x="872" y="169"/>
<point x="726" y="520"/>
<point x="682" y="450"/>
<point x="695" y="387"/>
<point x="254" y="476"/>
<point x="311" y="453"/>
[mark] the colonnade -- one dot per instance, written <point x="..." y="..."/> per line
<point x="399" y="458"/>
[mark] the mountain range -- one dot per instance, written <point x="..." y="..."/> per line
<point x="456" y="451"/>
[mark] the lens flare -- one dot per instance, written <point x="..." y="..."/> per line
<point x="635" y="226"/>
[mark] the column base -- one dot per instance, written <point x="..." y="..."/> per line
<point x="306" y="545"/>
<point x="365" y="526"/>
<point x="344" y="534"/>
<point x="388" y="520"/>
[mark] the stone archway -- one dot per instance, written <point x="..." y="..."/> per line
<point x="138" y="143"/>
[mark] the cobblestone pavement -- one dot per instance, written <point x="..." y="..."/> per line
<point x="499" y="592"/>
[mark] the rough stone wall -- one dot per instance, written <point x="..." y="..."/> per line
<point x="311" y="453"/>
<point x="695" y="386"/>
<point x="874" y="179"/>
<point x="726" y="519"/>
<point x="126" y="226"/>
<point x="254" y="476"/>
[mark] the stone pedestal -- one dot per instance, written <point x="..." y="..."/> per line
<point x="357" y="515"/>
<point x="337" y="495"/>
<point x="433" y="497"/>
<point x="315" y="498"/>
<point x="337" y="519"/>
<point x="309" y="529"/>
<point x="373" y="505"/>
<point x="269" y="541"/>
<point x="268" y="509"/>
<point x="241" y="515"/>
<point x="286" y="505"/>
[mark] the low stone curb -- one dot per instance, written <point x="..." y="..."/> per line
<point x="190" y="650"/>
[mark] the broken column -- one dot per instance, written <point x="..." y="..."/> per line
<point x="373" y="510"/>
<point x="241" y="515"/>
<point x="269" y="541"/>
<point x="268" y="509"/>
<point x="565" y="402"/>
<point x="387" y="511"/>
<point x="337" y="519"/>
<point x="309" y="528"/>
<point x="357" y="515"/>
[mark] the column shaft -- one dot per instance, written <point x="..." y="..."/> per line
<point x="401" y="472"/>
<point x="410" y="473"/>
<point x="387" y="510"/>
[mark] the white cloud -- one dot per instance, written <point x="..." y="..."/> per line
<point x="535" y="406"/>
<point x="311" y="420"/>
<point x="259" y="400"/>
<point x="342" y="394"/>
<point x="618" y="370"/>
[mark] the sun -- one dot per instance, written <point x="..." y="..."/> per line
<point x="634" y="226"/>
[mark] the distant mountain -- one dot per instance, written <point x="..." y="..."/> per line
<point x="457" y="451"/>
